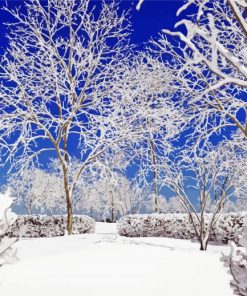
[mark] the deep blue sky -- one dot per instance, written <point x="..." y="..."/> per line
<point x="151" y="19"/>
<point x="146" y="23"/>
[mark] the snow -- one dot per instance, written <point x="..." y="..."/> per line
<point x="107" y="264"/>
<point x="139" y="4"/>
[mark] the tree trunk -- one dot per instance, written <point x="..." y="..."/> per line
<point x="112" y="215"/>
<point x="66" y="185"/>
<point x="69" y="218"/>
<point x="203" y="247"/>
<point x="112" y="208"/>
<point x="69" y="211"/>
<point x="155" y="175"/>
<point x="68" y="202"/>
<point x="203" y="244"/>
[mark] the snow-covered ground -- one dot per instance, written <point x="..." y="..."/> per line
<point x="104" y="264"/>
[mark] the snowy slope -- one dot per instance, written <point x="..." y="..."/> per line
<point x="106" y="264"/>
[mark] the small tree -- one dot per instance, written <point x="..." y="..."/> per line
<point x="160" y="119"/>
<point x="37" y="190"/>
<point x="171" y="205"/>
<point x="108" y="196"/>
<point x="120" y="197"/>
<point x="213" y="175"/>
<point x="7" y="218"/>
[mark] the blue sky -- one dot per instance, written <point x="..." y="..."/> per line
<point x="146" y="23"/>
<point x="149" y="21"/>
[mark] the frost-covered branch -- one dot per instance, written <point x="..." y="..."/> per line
<point x="209" y="55"/>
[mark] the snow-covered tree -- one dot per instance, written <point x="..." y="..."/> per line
<point x="120" y="198"/>
<point x="238" y="204"/>
<point x="76" y="89"/>
<point x="38" y="191"/>
<point x="209" y="54"/>
<point x="100" y="192"/>
<point x="213" y="175"/>
<point x="241" y="204"/>
<point x="7" y="218"/>
<point x="109" y="197"/>
<point x="171" y="205"/>
<point x="62" y="60"/>
<point x="161" y="118"/>
<point x="237" y="264"/>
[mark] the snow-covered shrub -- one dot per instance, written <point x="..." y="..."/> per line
<point x="237" y="264"/>
<point x="164" y="225"/>
<point x="7" y="218"/>
<point x="179" y="226"/>
<point x="229" y="227"/>
<point x="49" y="226"/>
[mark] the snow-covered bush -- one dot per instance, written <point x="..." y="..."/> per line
<point x="179" y="226"/>
<point x="237" y="264"/>
<point x="164" y="225"/>
<point x="7" y="218"/>
<point x="230" y="226"/>
<point x="49" y="226"/>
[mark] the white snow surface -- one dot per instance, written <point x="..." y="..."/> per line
<point x="107" y="264"/>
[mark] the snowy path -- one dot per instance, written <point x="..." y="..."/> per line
<point x="106" y="264"/>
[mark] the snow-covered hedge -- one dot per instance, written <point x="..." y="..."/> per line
<point x="48" y="226"/>
<point x="165" y="225"/>
<point x="7" y="218"/>
<point x="237" y="264"/>
<point x="229" y="226"/>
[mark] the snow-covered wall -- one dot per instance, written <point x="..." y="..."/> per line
<point x="47" y="226"/>
<point x="229" y="226"/>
